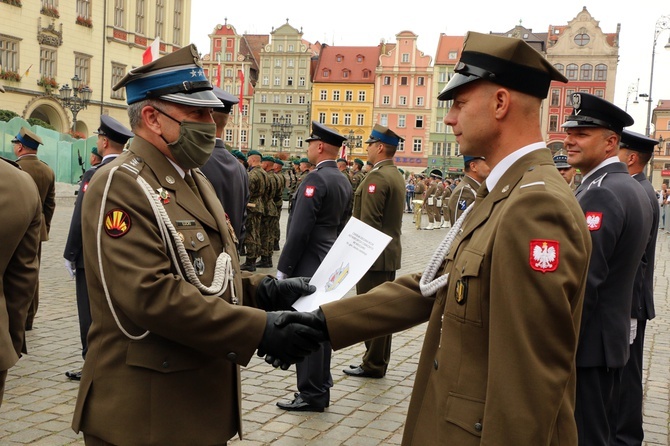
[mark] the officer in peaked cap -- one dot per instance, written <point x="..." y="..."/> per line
<point x="619" y="218"/>
<point x="27" y="139"/>
<point x="635" y="151"/>
<point x="566" y="170"/>
<point x="509" y="62"/>
<point x="357" y="173"/>
<point x="384" y="135"/>
<point x="501" y="295"/>
<point x="114" y="130"/>
<point x="227" y="175"/>
<point x="322" y="133"/>
<point x="592" y="111"/>
<point x="155" y="238"/>
<point x="25" y="148"/>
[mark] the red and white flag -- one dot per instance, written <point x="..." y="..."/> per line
<point x="343" y="152"/>
<point x="152" y="52"/>
<point x="218" y="75"/>
<point x="240" y="75"/>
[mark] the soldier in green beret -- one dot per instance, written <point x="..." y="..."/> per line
<point x="258" y="183"/>
<point x="357" y="173"/>
<point x="270" y="213"/>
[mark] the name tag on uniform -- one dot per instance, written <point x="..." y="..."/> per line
<point x="185" y="223"/>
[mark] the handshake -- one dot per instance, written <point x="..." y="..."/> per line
<point x="289" y="335"/>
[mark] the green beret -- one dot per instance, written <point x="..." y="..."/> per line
<point x="95" y="152"/>
<point x="304" y="160"/>
<point x="296" y="161"/>
<point x="239" y="155"/>
<point x="341" y="160"/>
<point x="280" y="162"/>
<point x="401" y="171"/>
<point x="268" y="158"/>
<point x="359" y="162"/>
<point x="254" y="152"/>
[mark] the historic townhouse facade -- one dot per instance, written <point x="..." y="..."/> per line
<point x="282" y="93"/>
<point x="404" y="97"/>
<point x="443" y="153"/>
<point x="660" y="119"/>
<point x="45" y="43"/>
<point x="343" y="91"/>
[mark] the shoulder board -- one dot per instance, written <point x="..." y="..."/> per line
<point x="133" y="166"/>
<point x="13" y="163"/>
<point x="597" y="182"/>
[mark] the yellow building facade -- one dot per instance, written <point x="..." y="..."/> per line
<point x="45" y="43"/>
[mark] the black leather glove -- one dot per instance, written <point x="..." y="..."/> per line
<point x="280" y="295"/>
<point x="288" y="338"/>
<point x="314" y="323"/>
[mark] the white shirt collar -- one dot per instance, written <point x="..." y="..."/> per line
<point x="499" y="170"/>
<point x="111" y="155"/>
<point x="606" y="162"/>
<point x="179" y="170"/>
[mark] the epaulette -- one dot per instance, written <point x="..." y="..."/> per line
<point x="133" y="166"/>
<point x="13" y="163"/>
<point x="532" y="177"/>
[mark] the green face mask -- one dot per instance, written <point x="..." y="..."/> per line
<point x="195" y="143"/>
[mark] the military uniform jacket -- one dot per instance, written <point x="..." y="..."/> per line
<point x="19" y="266"/>
<point x="271" y="187"/>
<point x="258" y="180"/>
<point x="446" y="194"/>
<point x="497" y="363"/>
<point x="356" y="179"/>
<point x="619" y="217"/>
<point x="431" y="192"/>
<point x="180" y="384"/>
<point x="643" y="291"/>
<point x="281" y="185"/>
<point x="461" y="197"/>
<point x="316" y="219"/>
<point x="231" y="184"/>
<point x="379" y="202"/>
<point x="419" y="190"/>
<point x="46" y="184"/>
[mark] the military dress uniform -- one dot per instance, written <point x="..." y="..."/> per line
<point x="270" y="214"/>
<point x="430" y="203"/>
<point x="461" y="197"/>
<point x="446" y="195"/>
<point x="468" y="389"/>
<point x="45" y="179"/>
<point x="19" y="265"/>
<point x="419" y="191"/>
<point x="379" y="203"/>
<point x="315" y="220"/>
<point x="231" y="184"/>
<point x="275" y="231"/>
<point x="619" y="218"/>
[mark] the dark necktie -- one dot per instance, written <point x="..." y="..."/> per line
<point x="189" y="180"/>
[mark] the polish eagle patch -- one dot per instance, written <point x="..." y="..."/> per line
<point x="594" y="220"/>
<point x="309" y="191"/>
<point x="544" y="255"/>
<point x="117" y="223"/>
<point x="372" y="188"/>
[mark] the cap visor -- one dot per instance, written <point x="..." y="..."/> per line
<point x="371" y="140"/>
<point x="570" y="124"/>
<point x="457" y="81"/>
<point x="199" y="99"/>
<point x="312" y="138"/>
<point x="14" y="141"/>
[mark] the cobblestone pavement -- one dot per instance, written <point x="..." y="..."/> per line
<point x="39" y="399"/>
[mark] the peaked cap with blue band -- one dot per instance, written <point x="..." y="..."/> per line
<point x="505" y="61"/>
<point x="28" y="139"/>
<point x="177" y="77"/>
<point x="384" y="134"/>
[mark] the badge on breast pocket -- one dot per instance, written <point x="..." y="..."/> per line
<point x="461" y="290"/>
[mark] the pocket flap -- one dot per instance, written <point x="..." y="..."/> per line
<point x="163" y="358"/>
<point x="465" y="412"/>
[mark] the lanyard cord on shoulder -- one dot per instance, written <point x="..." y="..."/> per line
<point x="223" y="270"/>
<point x="428" y="284"/>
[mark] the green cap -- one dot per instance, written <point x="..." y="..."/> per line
<point x="359" y="162"/>
<point x="268" y="158"/>
<point x="304" y="160"/>
<point x="278" y="161"/>
<point x="94" y="151"/>
<point x="254" y="152"/>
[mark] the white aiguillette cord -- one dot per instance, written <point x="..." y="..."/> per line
<point x="428" y="284"/>
<point x="223" y="270"/>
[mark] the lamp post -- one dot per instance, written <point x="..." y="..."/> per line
<point x="282" y="130"/>
<point x="632" y="90"/>
<point x="75" y="98"/>
<point x="662" y="24"/>
<point x="353" y="141"/>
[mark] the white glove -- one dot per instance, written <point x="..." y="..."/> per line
<point x="71" y="268"/>
<point x="281" y="275"/>
<point x="633" y="331"/>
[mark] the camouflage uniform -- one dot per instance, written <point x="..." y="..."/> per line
<point x="257" y="185"/>
<point x="269" y="215"/>
<point x="279" y="202"/>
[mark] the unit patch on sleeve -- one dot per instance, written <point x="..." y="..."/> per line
<point x="309" y="191"/>
<point x="117" y="223"/>
<point x="372" y="188"/>
<point x="544" y="255"/>
<point x="594" y="220"/>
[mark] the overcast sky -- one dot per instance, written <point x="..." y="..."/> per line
<point x="365" y="23"/>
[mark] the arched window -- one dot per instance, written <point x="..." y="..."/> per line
<point x="571" y="71"/>
<point x="601" y="72"/>
<point x="586" y="73"/>
<point x="559" y="67"/>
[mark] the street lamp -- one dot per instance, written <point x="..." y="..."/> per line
<point x="632" y="90"/>
<point x="354" y="141"/>
<point x="662" y="24"/>
<point x="282" y="130"/>
<point x="75" y="98"/>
